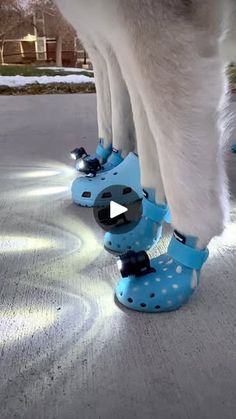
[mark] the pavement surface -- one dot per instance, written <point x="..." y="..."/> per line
<point x="67" y="351"/>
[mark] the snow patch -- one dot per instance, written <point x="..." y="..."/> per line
<point x="16" y="81"/>
<point x="67" y="69"/>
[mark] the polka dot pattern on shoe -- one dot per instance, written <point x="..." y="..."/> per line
<point x="165" y="289"/>
<point x="179" y="269"/>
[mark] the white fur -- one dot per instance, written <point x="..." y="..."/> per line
<point x="123" y="131"/>
<point x="104" y="111"/>
<point x="114" y="113"/>
<point x="168" y="53"/>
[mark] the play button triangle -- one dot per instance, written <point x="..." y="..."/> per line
<point x="116" y="209"/>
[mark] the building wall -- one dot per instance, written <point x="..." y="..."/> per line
<point x="16" y="50"/>
<point x="68" y="53"/>
<point x="12" y="52"/>
<point x="28" y="51"/>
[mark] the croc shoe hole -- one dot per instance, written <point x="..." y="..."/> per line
<point x="86" y="195"/>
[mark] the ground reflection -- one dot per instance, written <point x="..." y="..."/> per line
<point x="13" y="243"/>
<point x="21" y="323"/>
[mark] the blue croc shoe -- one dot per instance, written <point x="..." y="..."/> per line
<point x="143" y="236"/>
<point x="233" y="148"/>
<point x="164" y="283"/>
<point x="86" y="190"/>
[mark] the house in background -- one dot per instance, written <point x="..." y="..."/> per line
<point x="41" y="38"/>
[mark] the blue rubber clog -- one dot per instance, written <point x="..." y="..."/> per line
<point x="144" y="235"/>
<point x="86" y="190"/>
<point x="171" y="281"/>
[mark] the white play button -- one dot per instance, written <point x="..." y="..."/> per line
<point x="116" y="209"/>
<point x="117" y="206"/>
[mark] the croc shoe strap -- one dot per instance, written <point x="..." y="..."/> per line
<point x="153" y="211"/>
<point x="103" y="152"/>
<point x="115" y="158"/>
<point x="186" y="255"/>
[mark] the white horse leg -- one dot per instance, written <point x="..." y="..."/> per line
<point x="179" y="78"/>
<point x="104" y="111"/>
<point x="151" y="179"/>
<point x="122" y="116"/>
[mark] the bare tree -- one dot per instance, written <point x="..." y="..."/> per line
<point x="59" y="28"/>
<point x="11" y="14"/>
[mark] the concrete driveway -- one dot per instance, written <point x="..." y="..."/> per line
<point x="66" y="350"/>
